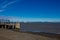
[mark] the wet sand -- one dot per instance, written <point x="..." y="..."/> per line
<point x="6" y="34"/>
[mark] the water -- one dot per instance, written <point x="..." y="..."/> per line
<point x="48" y="30"/>
<point x="41" y="27"/>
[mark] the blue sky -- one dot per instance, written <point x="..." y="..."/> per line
<point x="31" y="10"/>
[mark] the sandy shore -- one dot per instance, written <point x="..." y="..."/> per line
<point x="6" y="34"/>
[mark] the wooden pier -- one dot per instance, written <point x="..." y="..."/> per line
<point x="10" y="25"/>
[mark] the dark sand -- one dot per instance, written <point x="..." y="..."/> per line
<point x="6" y="34"/>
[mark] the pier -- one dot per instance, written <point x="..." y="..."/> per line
<point x="10" y="25"/>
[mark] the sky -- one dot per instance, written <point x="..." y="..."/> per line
<point x="30" y="10"/>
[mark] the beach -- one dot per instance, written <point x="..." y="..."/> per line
<point x="7" y="34"/>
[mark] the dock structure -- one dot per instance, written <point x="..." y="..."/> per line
<point x="10" y="25"/>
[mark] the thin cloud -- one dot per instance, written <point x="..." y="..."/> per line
<point x="1" y="11"/>
<point x="5" y="4"/>
<point x="8" y="4"/>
